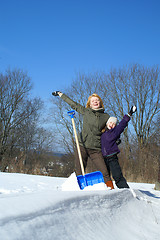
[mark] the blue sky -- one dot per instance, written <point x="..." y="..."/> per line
<point x="55" y="39"/>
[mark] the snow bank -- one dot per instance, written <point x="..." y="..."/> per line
<point x="38" y="208"/>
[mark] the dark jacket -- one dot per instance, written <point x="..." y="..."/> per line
<point x="109" y="137"/>
<point x="93" y="123"/>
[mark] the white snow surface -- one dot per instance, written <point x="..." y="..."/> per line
<point x="40" y="207"/>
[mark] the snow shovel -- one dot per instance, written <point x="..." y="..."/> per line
<point x="88" y="179"/>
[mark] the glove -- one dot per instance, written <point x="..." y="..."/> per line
<point x="132" y="110"/>
<point x="55" y="93"/>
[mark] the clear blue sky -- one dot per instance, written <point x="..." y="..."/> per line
<point x="54" y="39"/>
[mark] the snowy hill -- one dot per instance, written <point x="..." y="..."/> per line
<point x="39" y="207"/>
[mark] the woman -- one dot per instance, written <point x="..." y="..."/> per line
<point x="94" y="120"/>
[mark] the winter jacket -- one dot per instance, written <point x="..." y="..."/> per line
<point x="93" y="123"/>
<point x="109" y="137"/>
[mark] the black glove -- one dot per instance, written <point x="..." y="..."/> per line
<point x="55" y="93"/>
<point x="132" y="110"/>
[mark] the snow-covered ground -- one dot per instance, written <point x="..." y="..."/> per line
<point x="39" y="207"/>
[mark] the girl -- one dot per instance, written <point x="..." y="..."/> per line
<point x="110" y="149"/>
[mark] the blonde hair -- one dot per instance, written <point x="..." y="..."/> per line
<point x="89" y="99"/>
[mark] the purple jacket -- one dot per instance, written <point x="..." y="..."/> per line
<point x="109" y="137"/>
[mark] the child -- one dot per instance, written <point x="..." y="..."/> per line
<point x="110" y="149"/>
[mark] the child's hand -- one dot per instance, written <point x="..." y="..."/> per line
<point x="132" y="110"/>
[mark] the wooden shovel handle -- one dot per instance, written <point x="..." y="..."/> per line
<point x="78" y="148"/>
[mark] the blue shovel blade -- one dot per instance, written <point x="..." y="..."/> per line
<point x="90" y="179"/>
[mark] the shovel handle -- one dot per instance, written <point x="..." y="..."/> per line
<point x="71" y="114"/>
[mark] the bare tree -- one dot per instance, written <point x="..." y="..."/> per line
<point x="135" y="85"/>
<point x="17" y="112"/>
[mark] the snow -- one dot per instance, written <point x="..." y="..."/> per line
<point x="40" y="207"/>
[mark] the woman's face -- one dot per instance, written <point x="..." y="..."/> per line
<point x="95" y="103"/>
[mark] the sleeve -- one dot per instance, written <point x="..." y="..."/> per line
<point x="74" y="105"/>
<point x="122" y="125"/>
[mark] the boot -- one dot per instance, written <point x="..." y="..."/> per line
<point x="110" y="184"/>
